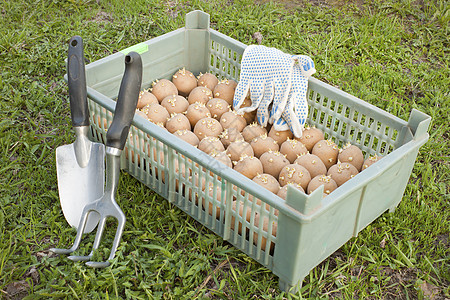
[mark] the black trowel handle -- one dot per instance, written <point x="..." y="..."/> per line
<point x="77" y="83"/>
<point x="126" y="103"/>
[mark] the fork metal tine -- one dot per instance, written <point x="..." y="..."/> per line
<point x="119" y="231"/>
<point x="98" y="235"/>
<point x="81" y="226"/>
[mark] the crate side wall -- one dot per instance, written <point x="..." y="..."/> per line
<point x="164" y="57"/>
<point x="386" y="190"/>
<point x="196" y="43"/>
<point x="302" y="246"/>
<point x="225" y="55"/>
<point x="347" y="119"/>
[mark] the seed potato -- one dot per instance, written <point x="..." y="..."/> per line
<point x="163" y="88"/>
<point x="232" y="119"/>
<point x="217" y="107"/>
<point x="207" y="127"/>
<point x="328" y="183"/>
<point x="268" y="182"/>
<point x="310" y="136"/>
<point x="230" y="82"/>
<point x="312" y="163"/>
<point x="253" y="130"/>
<point x="215" y="196"/>
<point x="102" y="121"/>
<point x="327" y="151"/>
<point x="296" y="174"/>
<point x="222" y="157"/>
<point x="238" y="207"/>
<point x="370" y="161"/>
<point x="225" y="91"/>
<point x="342" y="172"/>
<point x="248" y="166"/>
<point x="292" y="149"/>
<point x="263" y="144"/>
<point x="239" y="148"/>
<point x="200" y="94"/>
<point x="133" y="143"/>
<point x="351" y="154"/>
<point x="156" y="113"/>
<point x="207" y="80"/>
<point x="273" y="162"/>
<point x="175" y="104"/>
<point x="196" y="112"/>
<point x="184" y="81"/>
<point x="146" y="98"/>
<point x="266" y="229"/>
<point x="187" y="136"/>
<point x="280" y="136"/>
<point x="230" y="135"/>
<point x="177" y="122"/>
<point x="210" y="143"/>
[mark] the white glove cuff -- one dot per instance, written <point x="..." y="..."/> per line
<point x="308" y="73"/>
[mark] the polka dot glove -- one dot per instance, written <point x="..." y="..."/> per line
<point x="296" y="110"/>
<point x="274" y="77"/>
<point x="266" y="73"/>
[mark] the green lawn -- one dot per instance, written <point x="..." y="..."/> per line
<point x="393" y="54"/>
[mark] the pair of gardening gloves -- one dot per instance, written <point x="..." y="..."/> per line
<point x="277" y="83"/>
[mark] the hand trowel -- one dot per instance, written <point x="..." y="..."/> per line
<point x="80" y="166"/>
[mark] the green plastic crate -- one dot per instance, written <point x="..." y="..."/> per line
<point x="309" y="227"/>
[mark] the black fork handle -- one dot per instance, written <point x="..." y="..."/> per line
<point x="77" y="83"/>
<point x="126" y="103"/>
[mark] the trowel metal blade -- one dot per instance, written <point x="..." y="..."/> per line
<point x="78" y="185"/>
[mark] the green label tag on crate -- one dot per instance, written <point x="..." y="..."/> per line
<point x="139" y="48"/>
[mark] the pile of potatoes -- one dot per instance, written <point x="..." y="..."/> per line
<point x="199" y="111"/>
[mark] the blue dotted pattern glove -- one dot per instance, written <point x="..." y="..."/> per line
<point x="296" y="110"/>
<point x="276" y="78"/>
<point x="266" y="73"/>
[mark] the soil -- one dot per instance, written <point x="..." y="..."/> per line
<point x="20" y="289"/>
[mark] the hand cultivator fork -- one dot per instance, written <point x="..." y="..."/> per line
<point x="116" y="137"/>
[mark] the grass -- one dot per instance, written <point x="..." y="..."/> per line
<point x="393" y="54"/>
